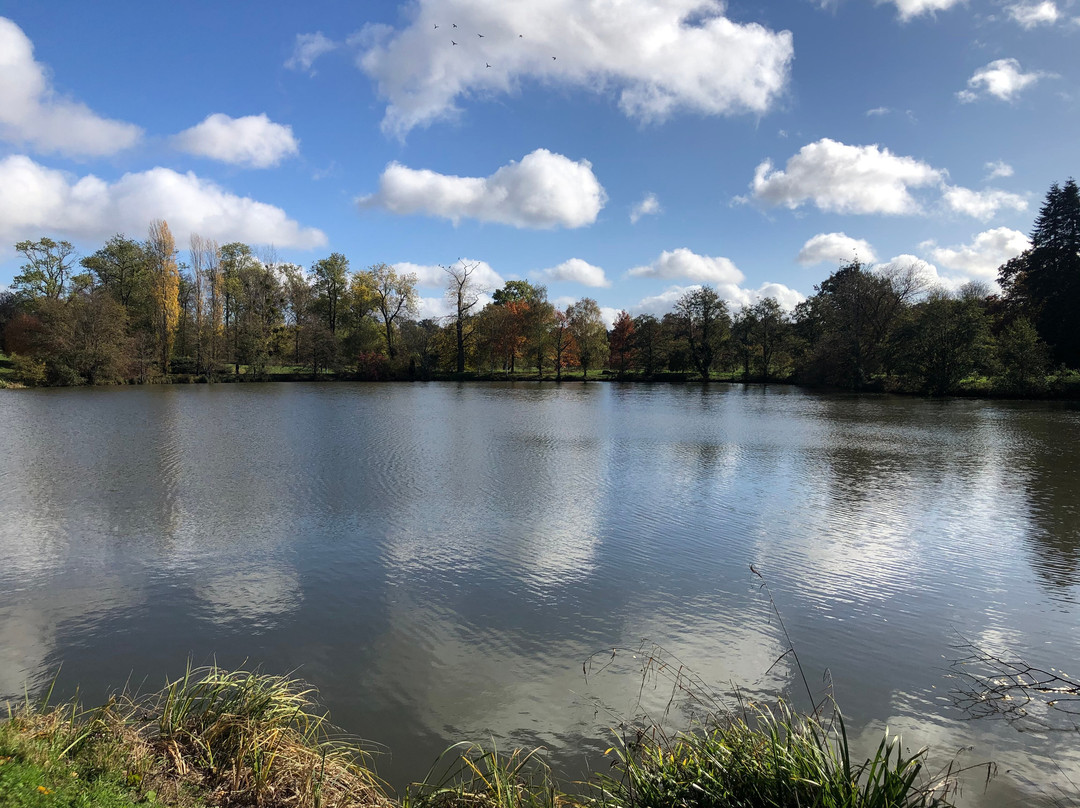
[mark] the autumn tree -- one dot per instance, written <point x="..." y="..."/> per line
<point x="164" y="288"/>
<point x="45" y="273"/>
<point x="770" y="331"/>
<point x="561" y="345"/>
<point x="589" y="332"/>
<point x="621" y="344"/>
<point x="393" y="294"/>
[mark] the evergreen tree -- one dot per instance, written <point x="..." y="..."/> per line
<point x="1043" y="284"/>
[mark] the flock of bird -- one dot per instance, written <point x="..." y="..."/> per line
<point x="481" y="36"/>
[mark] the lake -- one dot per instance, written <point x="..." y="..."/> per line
<point x="441" y="559"/>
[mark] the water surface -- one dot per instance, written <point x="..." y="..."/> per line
<point x="441" y="559"/>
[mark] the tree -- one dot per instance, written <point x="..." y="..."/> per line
<point x="1043" y="283"/>
<point x="164" y="288"/>
<point x="524" y="321"/>
<point x="561" y="344"/>
<point x="769" y="332"/>
<point x="393" y="295"/>
<point x="463" y="293"/>
<point x="621" y="343"/>
<point x="589" y="332"/>
<point x="1022" y="358"/>
<point x="45" y="273"/>
<point x="850" y="322"/>
<point x="705" y="323"/>
<point x="649" y="349"/>
<point x="948" y="340"/>
<point x="122" y="268"/>
<point x="330" y="278"/>
<point x="234" y="260"/>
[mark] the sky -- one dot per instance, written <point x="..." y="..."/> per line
<point x="623" y="150"/>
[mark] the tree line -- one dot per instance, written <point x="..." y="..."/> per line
<point x="135" y="311"/>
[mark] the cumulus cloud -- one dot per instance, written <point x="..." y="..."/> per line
<point x="998" y="168"/>
<point x="34" y="198"/>
<point x="984" y="254"/>
<point x="924" y="270"/>
<point x="433" y="276"/>
<point x="648" y="206"/>
<point x="686" y="264"/>
<point x="543" y="191"/>
<point x="1002" y="79"/>
<point x="981" y="204"/>
<point x="839" y="178"/>
<point x="908" y="9"/>
<point x="1030" y="15"/>
<point x="659" y="56"/>
<point x="33" y="114"/>
<point x="835" y="248"/>
<point x="576" y="270"/>
<point x="307" y="49"/>
<point x="737" y="297"/>
<point x="254" y="140"/>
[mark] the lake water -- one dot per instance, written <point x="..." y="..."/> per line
<point x="441" y="559"/>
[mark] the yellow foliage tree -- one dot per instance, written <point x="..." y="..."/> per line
<point x="165" y="288"/>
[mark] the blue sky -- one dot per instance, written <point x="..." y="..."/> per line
<point x="668" y="143"/>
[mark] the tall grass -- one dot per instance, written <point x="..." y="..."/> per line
<point x="769" y="759"/>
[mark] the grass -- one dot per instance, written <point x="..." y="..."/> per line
<point x="221" y="738"/>
<point x="770" y="759"/>
<point x="210" y="738"/>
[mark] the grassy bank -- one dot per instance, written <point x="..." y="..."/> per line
<point x="218" y="738"/>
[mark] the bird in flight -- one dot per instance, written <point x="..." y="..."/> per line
<point x="480" y="35"/>
<point x="486" y="64"/>
<point x="436" y="25"/>
<point x="454" y="24"/>
<point x="452" y="42"/>
<point x="553" y="58"/>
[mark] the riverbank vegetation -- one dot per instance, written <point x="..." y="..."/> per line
<point x="135" y="312"/>
<point x="218" y="738"/>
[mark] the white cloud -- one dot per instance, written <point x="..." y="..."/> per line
<point x="998" y="168"/>
<point x="1001" y="78"/>
<point x="845" y="179"/>
<point x="986" y="252"/>
<point x="307" y="49"/>
<point x="33" y="114"/>
<point x="433" y="308"/>
<point x="545" y="190"/>
<point x="660" y="56"/>
<point x="908" y="9"/>
<point x="254" y="140"/>
<point x="576" y="270"/>
<point x="835" y="248"/>
<point x="923" y="269"/>
<point x="35" y="199"/>
<point x="1030" y="15"/>
<point x="686" y="264"/>
<point x="981" y="204"/>
<point x="648" y="206"/>
<point x="877" y="111"/>
<point x="736" y="297"/>
<point x="433" y="276"/>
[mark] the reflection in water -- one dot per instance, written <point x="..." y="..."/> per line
<point x="440" y="559"/>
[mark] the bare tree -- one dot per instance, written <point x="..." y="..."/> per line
<point x="463" y="293"/>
